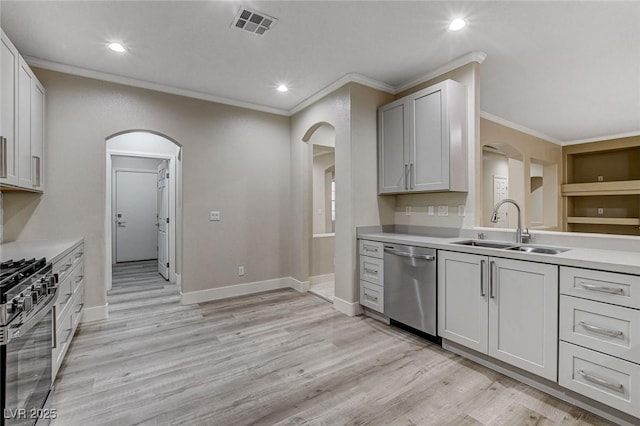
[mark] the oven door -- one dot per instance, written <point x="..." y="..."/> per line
<point x="26" y="369"/>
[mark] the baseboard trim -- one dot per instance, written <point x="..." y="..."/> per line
<point x="245" y="289"/>
<point x="317" y="279"/>
<point x="301" y="286"/>
<point x="95" y="313"/>
<point x="348" y="308"/>
<point x="541" y="384"/>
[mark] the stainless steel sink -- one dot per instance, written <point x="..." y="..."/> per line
<point x="539" y="250"/>
<point x="482" y="243"/>
<point x="512" y="246"/>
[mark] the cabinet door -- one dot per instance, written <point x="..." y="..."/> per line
<point x="8" y="102"/>
<point x="24" y="125"/>
<point x="393" y="139"/>
<point x="462" y="299"/>
<point x="523" y="315"/>
<point x="37" y="134"/>
<point x="429" y="154"/>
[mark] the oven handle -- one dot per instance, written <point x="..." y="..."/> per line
<point x="14" y="333"/>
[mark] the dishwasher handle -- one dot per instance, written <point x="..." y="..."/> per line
<point x="413" y="256"/>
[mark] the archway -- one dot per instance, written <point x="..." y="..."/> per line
<point x="136" y="146"/>
<point x="322" y="207"/>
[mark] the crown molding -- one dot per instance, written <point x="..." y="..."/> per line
<point x="113" y="78"/>
<point x="603" y="138"/>
<point x="520" y="128"/>
<point x="475" y="56"/>
<point x="346" y="79"/>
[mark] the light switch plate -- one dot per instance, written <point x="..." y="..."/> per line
<point x="430" y="210"/>
<point x="600" y="210"/>
<point x="461" y="210"/>
<point x="240" y="271"/>
<point x="443" y="210"/>
<point x="214" y="216"/>
<point x="407" y="210"/>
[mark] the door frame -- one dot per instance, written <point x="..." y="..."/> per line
<point x="173" y="209"/>
<point x="114" y="190"/>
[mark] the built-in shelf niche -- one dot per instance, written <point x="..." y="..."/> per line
<point x="602" y="187"/>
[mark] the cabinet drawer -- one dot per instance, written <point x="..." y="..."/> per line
<point x="77" y="277"/>
<point x="601" y="377"/>
<point x="372" y="296"/>
<point x="611" y="329"/>
<point x="371" y="248"/>
<point x="64" y="333"/>
<point x="371" y="270"/>
<point x="63" y="267"/>
<point x="63" y="297"/>
<point x="606" y="287"/>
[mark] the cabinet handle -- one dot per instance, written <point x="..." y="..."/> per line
<point x="483" y="263"/>
<point x="35" y="170"/>
<point x="66" y="339"/>
<point x="368" y="250"/>
<point x="371" y="271"/>
<point x="602" y="382"/>
<point x="67" y="299"/>
<point x="80" y="310"/>
<point x="3" y="157"/>
<point x="601" y="289"/>
<point x="66" y="267"/>
<point x="78" y="255"/>
<point x="601" y="330"/>
<point x="406" y="177"/>
<point x="79" y="278"/>
<point x="55" y="328"/>
<point x="492" y="278"/>
<point x="373" y="299"/>
<point x="411" y="179"/>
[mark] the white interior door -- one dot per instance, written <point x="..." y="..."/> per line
<point x="500" y="192"/>
<point x="163" y="219"/>
<point x="136" y="216"/>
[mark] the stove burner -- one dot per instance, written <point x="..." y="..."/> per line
<point x="13" y="272"/>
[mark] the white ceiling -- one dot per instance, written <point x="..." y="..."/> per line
<point x="570" y="70"/>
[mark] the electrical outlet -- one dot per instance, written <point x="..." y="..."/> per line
<point x="600" y="178"/>
<point x="461" y="210"/>
<point x="430" y="210"/>
<point x="443" y="210"/>
<point x="407" y="210"/>
<point x="600" y="210"/>
<point x="240" y="271"/>
<point x="214" y="216"/>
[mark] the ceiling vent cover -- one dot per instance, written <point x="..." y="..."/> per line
<point x="255" y="22"/>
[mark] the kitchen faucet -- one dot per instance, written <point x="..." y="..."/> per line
<point x="521" y="237"/>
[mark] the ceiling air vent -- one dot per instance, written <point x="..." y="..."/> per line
<point x="252" y="21"/>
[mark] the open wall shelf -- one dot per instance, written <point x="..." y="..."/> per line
<point x="602" y="187"/>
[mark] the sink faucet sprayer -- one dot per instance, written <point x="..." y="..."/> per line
<point x="521" y="237"/>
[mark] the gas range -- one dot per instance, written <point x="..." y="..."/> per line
<point x="25" y="285"/>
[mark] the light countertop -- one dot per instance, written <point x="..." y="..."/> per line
<point x="52" y="250"/>
<point x="606" y="260"/>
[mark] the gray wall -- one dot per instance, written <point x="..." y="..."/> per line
<point x="234" y="160"/>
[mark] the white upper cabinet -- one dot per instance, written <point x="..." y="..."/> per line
<point x="422" y="141"/>
<point x="8" y="101"/>
<point x="22" y="99"/>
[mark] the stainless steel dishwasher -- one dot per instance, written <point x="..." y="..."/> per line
<point x="410" y="286"/>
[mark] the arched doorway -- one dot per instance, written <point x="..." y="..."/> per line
<point x="321" y="140"/>
<point x="130" y="155"/>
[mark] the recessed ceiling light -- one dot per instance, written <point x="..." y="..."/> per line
<point x="116" y="47"/>
<point x="282" y="88"/>
<point x="457" y="24"/>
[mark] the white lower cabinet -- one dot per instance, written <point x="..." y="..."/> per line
<point x="604" y="378"/>
<point x="600" y="337"/>
<point x="371" y="270"/>
<point x="507" y="309"/>
<point x="70" y="301"/>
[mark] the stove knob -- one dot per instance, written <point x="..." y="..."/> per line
<point x="39" y="287"/>
<point x="24" y="303"/>
<point x="35" y="295"/>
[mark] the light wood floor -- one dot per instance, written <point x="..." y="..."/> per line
<point x="275" y="358"/>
